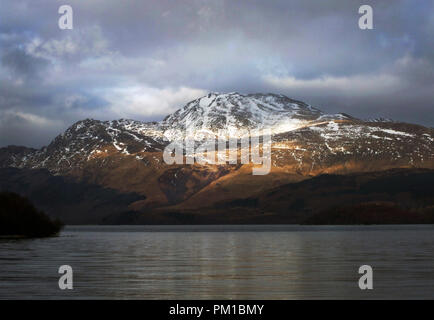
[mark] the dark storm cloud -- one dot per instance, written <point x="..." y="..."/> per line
<point x="144" y="59"/>
<point x="22" y="64"/>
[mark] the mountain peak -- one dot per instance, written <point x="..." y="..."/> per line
<point x="235" y="112"/>
<point x="304" y="136"/>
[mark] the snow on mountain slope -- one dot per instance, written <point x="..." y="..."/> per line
<point x="235" y="113"/>
<point x="303" y="135"/>
<point x="88" y="139"/>
<point x="327" y="144"/>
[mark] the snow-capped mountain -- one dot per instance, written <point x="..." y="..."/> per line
<point x="234" y="114"/>
<point x="85" y="140"/>
<point x="304" y="138"/>
<point x="123" y="159"/>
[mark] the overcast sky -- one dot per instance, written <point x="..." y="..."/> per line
<point x="145" y="59"/>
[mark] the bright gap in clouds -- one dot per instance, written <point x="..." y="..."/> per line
<point x="139" y="102"/>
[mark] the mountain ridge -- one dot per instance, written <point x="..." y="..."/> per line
<point x="91" y="138"/>
<point x="127" y="155"/>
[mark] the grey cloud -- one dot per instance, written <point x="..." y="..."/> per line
<point x="23" y="65"/>
<point x="24" y="129"/>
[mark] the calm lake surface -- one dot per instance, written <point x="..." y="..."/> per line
<point x="222" y="262"/>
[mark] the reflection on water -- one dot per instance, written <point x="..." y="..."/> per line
<point x="222" y="262"/>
